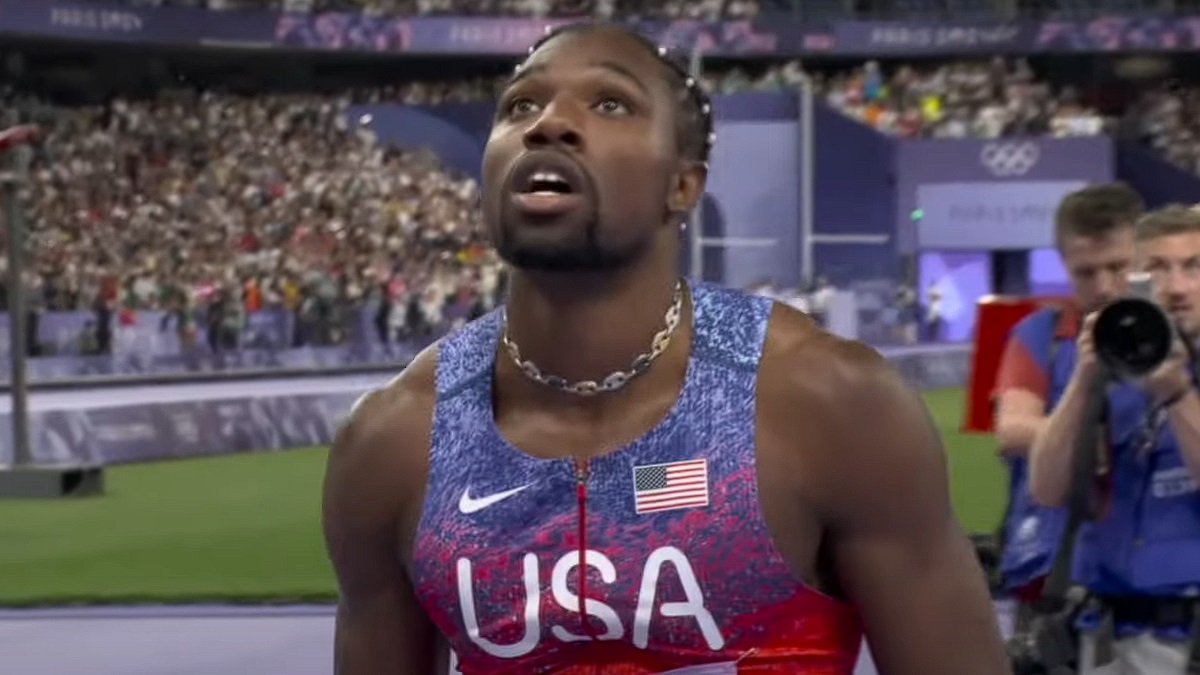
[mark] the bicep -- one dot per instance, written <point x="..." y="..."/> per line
<point x="902" y="558"/>
<point x="381" y="627"/>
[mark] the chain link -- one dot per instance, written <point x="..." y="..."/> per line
<point x="614" y="381"/>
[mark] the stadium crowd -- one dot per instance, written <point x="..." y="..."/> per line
<point x="957" y="100"/>
<point x="196" y="201"/>
<point x="212" y="206"/>
<point x="967" y="99"/>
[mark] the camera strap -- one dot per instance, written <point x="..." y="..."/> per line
<point x="1083" y="470"/>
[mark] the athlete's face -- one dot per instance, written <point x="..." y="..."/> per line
<point x="581" y="170"/>
<point x="1174" y="263"/>
<point x="1098" y="267"/>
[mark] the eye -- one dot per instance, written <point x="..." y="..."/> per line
<point x="612" y="106"/>
<point x="520" y="106"/>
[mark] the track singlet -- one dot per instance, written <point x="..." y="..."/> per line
<point x="652" y="559"/>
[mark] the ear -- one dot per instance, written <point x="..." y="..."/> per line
<point x="687" y="188"/>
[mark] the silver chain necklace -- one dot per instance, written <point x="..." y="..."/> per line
<point x="614" y="381"/>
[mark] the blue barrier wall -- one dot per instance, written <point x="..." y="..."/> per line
<point x="1157" y="180"/>
<point x="855" y="194"/>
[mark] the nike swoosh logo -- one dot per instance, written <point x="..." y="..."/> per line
<point x="468" y="504"/>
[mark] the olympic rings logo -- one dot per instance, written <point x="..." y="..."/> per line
<point x="1006" y="160"/>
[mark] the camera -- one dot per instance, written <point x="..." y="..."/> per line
<point x="1048" y="644"/>
<point x="1133" y="335"/>
<point x="1044" y="654"/>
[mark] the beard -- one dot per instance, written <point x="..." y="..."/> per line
<point x="583" y="252"/>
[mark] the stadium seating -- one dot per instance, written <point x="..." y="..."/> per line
<point x="265" y="215"/>
<point x="127" y="182"/>
<point x="136" y="207"/>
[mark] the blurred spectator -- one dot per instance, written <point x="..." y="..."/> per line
<point x="985" y="99"/>
<point x="1165" y="118"/>
<point x="213" y="206"/>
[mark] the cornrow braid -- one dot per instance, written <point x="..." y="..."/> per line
<point x="694" y="133"/>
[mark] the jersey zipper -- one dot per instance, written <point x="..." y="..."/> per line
<point x="581" y="483"/>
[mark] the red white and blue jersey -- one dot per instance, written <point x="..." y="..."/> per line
<point x="663" y="540"/>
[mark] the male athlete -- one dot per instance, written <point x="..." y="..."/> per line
<point x="623" y="473"/>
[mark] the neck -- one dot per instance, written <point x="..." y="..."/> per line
<point x="587" y="327"/>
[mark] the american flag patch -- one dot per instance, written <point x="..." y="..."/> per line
<point x="676" y="485"/>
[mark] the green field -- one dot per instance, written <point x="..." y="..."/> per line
<point x="245" y="528"/>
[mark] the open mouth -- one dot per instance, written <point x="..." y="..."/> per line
<point x="547" y="183"/>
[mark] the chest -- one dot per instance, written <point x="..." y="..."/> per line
<point x="618" y="514"/>
<point x="595" y="430"/>
<point x="649" y="536"/>
<point x="1149" y="473"/>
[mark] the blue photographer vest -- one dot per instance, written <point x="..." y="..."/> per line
<point x="1147" y="540"/>
<point x="1033" y="533"/>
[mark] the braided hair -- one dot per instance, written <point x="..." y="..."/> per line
<point x="693" y="119"/>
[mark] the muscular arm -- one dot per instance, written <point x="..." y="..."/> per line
<point x="897" y="550"/>
<point x="371" y="485"/>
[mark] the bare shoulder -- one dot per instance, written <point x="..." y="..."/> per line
<point x="863" y="456"/>
<point x="854" y="415"/>
<point x="374" y="486"/>
<point x="385" y="425"/>
<point x="374" y="481"/>
<point x="804" y="364"/>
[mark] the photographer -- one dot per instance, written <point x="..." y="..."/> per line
<point x="1140" y="557"/>
<point x="1095" y="237"/>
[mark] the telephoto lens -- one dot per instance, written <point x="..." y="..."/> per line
<point x="1133" y="335"/>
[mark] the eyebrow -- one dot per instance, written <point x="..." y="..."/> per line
<point x="610" y="66"/>
<point x="1169" y="256"/>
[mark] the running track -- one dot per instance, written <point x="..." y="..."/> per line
<point x="179" y="641"/>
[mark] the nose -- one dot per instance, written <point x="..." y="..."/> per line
<point x="1177" y="284"/>
<point x="555" y="127"/>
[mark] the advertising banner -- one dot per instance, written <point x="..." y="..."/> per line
<point x="991" y="194"/>
<point x="115" y="426"/>
<point x="494" y="36"/>
<point x="774" y="36"/>
<point x="122" y="22"/>
<point x="151" y="345"/>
